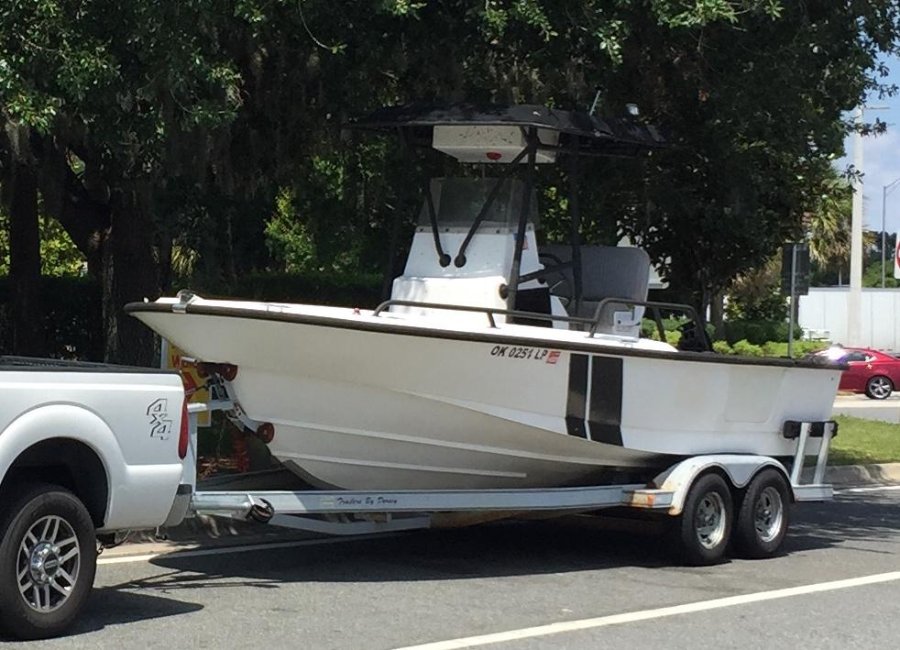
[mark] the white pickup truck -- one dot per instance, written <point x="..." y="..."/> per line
<point x="86" y="451"/>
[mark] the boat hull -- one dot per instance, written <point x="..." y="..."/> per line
<point x="360" y="402"/>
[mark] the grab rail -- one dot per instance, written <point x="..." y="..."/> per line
<point x="490" y="312"/>
<point x="594" y="322"/>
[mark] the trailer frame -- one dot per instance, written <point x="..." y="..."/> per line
<point x="672" y="492"/>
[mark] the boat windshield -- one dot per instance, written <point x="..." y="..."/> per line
<point x="458" y="201"/>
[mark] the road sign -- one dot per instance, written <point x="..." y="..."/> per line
<point x="799" y="265"/>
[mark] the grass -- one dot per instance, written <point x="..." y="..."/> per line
<point x="862" y="442"/>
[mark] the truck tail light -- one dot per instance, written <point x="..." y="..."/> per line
<point x="185" y="434"/>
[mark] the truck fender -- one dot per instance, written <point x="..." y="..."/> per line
<point x="738" y="469"/>
<point x="63" y="421"/>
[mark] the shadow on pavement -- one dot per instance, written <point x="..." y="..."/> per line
<point x="492" y="550"/>
<point x="112" y="606"/>
<point x="501" y="550"/>
<point x="860" y="516"/>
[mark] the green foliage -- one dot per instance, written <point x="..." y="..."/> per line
<point x="756" y="295"/>
<point x="872" y="273"/>
<point x="863" y="441"/>
<point x="757" y="332"/>
<point x="219" y="121"/>
<point x="722" y="347"/>
<point x="769" y="348"/>
<point x="71" y="324"/>
<point x="72" y="328"/>
<point x="673" y="338"/>
<point x="288" y="238"/>
<point x="59" y="256"/>
<point x="774" y="349"/>
<point x="346" y="290"/>
<point x="746" y="349"/>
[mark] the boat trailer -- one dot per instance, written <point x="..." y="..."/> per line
<point x="713" y="499"/>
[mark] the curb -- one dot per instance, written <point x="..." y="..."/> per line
<point x="852" y="475"/>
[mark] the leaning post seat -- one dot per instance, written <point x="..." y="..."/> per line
<point x="607" y="272"/>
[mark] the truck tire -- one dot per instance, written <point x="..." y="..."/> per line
<point x="703" y="529"/>
<point x="763" y="518"/>
<point x="48" y="557"/>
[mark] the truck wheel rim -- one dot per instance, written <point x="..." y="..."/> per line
<point x="48" y="563"/>
<point x="709" y="520"/>
<point x="769" y="514"/>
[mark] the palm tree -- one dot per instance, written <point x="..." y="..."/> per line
<point x="828" y="224"/>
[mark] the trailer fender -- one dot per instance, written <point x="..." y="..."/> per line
<point x="738" y="469"/>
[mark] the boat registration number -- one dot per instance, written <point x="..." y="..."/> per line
<point x="527" y="354"/>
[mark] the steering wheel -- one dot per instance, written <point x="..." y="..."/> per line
<point x="564" y="282"/>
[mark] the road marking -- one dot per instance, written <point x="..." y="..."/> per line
<point x="648" y="614"/>
<point x="227" y="550"/>
<point x="874" y="488"/>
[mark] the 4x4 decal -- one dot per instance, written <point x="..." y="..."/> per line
<point x="160" y="422"/>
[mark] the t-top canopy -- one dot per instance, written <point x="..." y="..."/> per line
<point x="571" y="132"/>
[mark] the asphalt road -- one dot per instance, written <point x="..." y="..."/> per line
<point x="559" y="584"/>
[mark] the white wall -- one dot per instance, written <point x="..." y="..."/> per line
<point x="826" y="309"/>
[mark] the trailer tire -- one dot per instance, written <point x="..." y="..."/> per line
<point x="764" y="515"/>
<point x="48" y="558"/>
<point x="704" y="527"/>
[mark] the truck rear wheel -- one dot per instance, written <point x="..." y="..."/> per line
<point x="48" y="558"/>
<point x="762" y="521"/>
<point x="704" y="527"/>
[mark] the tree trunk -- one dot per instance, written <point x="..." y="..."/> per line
<point x="130" y="275"/>
<point x="717" y="314"/>
<point x="20" y="198"/>
<point x="79" y="203"/>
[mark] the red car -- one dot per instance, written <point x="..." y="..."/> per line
<point x="871" y="372"/>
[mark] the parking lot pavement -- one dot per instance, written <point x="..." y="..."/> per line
<point x="554" y="584"/>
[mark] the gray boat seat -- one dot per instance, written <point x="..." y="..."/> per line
<point x="607" y="272"/>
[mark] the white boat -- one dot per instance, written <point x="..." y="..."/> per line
<point x="482" y="371"/>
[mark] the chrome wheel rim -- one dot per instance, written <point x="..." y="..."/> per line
<point x="880" y="387"/>
<point x="709" y="520"/>
<point x="768" y="515"/>
<point x="48" y="563"/>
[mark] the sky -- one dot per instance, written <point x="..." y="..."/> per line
<point x="881" y="157"/>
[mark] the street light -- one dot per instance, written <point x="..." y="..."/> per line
<point x="885" y="190"/>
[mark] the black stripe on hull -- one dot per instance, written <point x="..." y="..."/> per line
<point x="576" y="403"/>
<point x="605" y="410"/>
<point x="600" y="418"/>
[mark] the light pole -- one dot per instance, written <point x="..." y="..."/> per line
<point x="854" y="297"/>
<point x="885" y="190"/>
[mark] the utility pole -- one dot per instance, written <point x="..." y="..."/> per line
<point x="854" y="298"/>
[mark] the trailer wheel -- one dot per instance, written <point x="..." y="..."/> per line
<point x="704" y="526"/>
<point x="48" y="558"/>
<point x="762" y="521"/>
